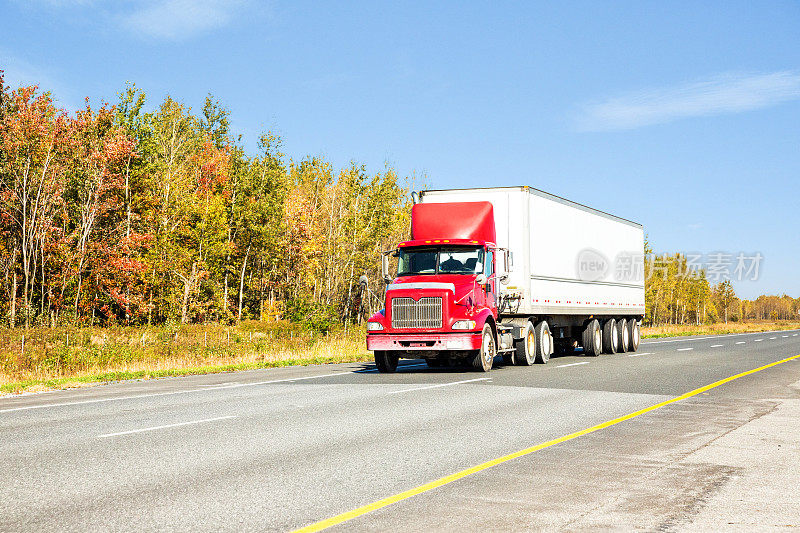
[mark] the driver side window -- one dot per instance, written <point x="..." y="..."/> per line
<point x="489" y="266"/>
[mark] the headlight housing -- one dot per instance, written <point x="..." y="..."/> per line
<point x="374" y="326"/>
<point x="464" y="324"/>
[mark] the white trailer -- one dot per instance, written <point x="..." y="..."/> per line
<point x="577" y="270"/>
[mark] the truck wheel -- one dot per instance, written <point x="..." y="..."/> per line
<point x="610" y="337"/>
<point x="592" y="338"/>
<point x="525" y="354"/>
<point x="386" y="361"/>
<point x="623" y="334"/>
<point x="633" y="335"/>
<point x="544" y="342"/>
<point x="484" y="358"/>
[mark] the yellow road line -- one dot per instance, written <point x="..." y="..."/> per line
<point x="349" y="515"/>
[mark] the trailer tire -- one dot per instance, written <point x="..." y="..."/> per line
<point x="525" y="354"/>
<point x="634" y="335"/>
<point x="623" y="334"/>
<point x="544" y="342"/>
<point x="484" y="358"/>
<point x="592" y="338"/>
<point x="386" y="361"/>
<point x="610" y="337"/>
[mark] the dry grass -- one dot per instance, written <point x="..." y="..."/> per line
<point x="69" y="357"/>
<point x="718" y="329"/>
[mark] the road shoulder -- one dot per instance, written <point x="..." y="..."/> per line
<point x="764" y="458"/>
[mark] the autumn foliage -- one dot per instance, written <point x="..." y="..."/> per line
<point x="121" y="215"/>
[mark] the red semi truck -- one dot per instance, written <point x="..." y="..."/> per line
<point x="458" y="295"/>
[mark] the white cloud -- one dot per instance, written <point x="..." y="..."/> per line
<point x="179" y="19"/>
<point x="726" y="93"/>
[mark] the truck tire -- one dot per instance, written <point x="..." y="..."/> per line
<point x="592" y="338"/>
<point x="634" y="335"/>
<point x="544" y="342"/>
<point x="484" y="358"/>
<point x="386" y="361"/>
<point x="525" y="354"/>
<point x="623" y="334"/>
<point x="610" y="337"/>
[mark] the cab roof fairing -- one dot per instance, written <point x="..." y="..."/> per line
<point x="469" y="222"/>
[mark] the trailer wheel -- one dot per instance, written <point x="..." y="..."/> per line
<point x="386" y="361"/>
<point x="592" y="338"/>
<point x="544" y="342"/>
<point x="484" y="358"/>
<point x="610" y="336"/>
<point x="624" y="335"/>
<point x="634" y="335"/>
<point x="525" y="354"/>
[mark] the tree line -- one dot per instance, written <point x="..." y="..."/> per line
<point x="118" y="215"/>
<point x="677" y="293"/>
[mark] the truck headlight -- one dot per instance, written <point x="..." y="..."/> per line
<point x="464" y="324"/>
<point x="374" y="326"/>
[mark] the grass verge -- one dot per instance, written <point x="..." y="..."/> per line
<point x="106" y="377"/>
<point x="681" y="330"/>
<point x="42" y="358"/>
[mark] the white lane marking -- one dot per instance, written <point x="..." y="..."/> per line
<point x="439" y="385"/>
<point x="772" y="338"/>
<point x="740" y="342"/>
<point x="709" y="337"/>
<point x="795" y="335"/>
<point x="785" y="336"/>
<point x="574" y="364"/>
<point x="685" y="349"/>
<point x="166" y="426"/>
<point x="638" y="354"/>
<point x="758" y="340"/>
<point x="205" y="388"/>
<point x="717" y="345"/>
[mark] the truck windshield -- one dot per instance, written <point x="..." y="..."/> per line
<point x="440" y="260"/>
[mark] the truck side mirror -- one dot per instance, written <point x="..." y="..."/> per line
<point x="385" y="267"/>
<point x="480" y="279"/>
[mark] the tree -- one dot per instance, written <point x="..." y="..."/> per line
<point x="35" y="138"/>
<point x="725" y="295"/>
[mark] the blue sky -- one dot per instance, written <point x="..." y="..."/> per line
<point x="684" y="116"/>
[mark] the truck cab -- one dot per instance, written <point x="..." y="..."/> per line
<point x="442" y="303"/>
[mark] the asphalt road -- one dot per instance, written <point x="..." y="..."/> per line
<point x="284" y="448"/>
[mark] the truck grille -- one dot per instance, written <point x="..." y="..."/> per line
<point x="424" y="313"/>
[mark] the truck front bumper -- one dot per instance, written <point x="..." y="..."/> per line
<point x="424" y="342"/>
